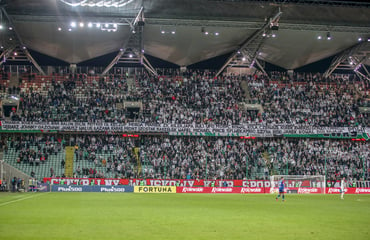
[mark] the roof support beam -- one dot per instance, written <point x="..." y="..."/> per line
<point x="149" y="66"/>
<point x="132" y="50"/>
<point x="250" y="47"/>
<point x="4" y="55"/>
<point x="351" y="58"/>
<point x="21" y="46"/>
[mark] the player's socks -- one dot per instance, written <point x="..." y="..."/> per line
<point x="283" y="198"/>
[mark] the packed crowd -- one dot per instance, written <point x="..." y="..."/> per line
<point x="198" y="98"/>
<point x="112" y="153"/>
<point x="316" y="101"/>
<point x="170" y="157"/>
<point x="311" y="157"/>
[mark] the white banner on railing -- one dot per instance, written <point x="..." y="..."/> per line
<point x="187" y="129"/>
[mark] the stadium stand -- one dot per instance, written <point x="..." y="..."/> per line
<point x="166" y="157"/>
<point x="194" y="97"/>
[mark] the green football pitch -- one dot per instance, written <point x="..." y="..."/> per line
<point x="182" y="216"/>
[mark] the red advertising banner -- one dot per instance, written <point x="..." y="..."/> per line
<point x="207" y="186"/>
<point x="159" y="182"/>
<point x="348" y="190"/>
<point x="221" y="190"/>
<point x="299" y="190"/>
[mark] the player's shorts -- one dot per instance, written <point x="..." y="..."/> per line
<point x="281" y="190"/>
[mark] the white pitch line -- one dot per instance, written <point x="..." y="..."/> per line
<point x="21" y="199"/>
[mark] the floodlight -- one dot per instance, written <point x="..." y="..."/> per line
<point x="82" y="24"/>
<point x="328" y="36"/>
<point x="89" y="25"/>
<point x="73" y="24"/>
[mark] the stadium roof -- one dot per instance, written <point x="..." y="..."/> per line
<point x="229" y="23"/>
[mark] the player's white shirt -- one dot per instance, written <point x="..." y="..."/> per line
<point x="342" y="184"/>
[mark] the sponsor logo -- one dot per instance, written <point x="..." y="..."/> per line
<point x="221" y="190"/>
<point x="152" y="189"/>
<point x="251" y="190"/>
<point x="307" y="190"/>
<point x="70" y="189"/>
<point x="194" y="190"/>
<point x="111" y="189"/>
<point x="362" y="190"/>
<point x="336" y="190"/>
<point x="42" y="188"/>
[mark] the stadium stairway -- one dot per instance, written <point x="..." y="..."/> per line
<point x="68" y="168"/>
<point x="136" y="151"/>
<point x="248" y="104"/>
<point x="131" y="85"/>
<point x="246" y="95"/>
<point x="14" y="80"/>
<point x="267" y="158"/>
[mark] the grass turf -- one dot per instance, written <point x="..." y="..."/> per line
<point x="182" y="216"/>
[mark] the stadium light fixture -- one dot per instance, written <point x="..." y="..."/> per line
<point x="73" y="24"/>
<point x="1" y="26"/>
<point x="90" y="25"/>
<point x="328" y="36"/>
<point x="82" y="24"/>
<point x="319" y="37"/>
<point x="10" y="28"/>
<point x="173" y="32"/>
<point x="217" y="33"/>
<point x="359" y="39"/>
<point x="98" y="25"/>
<point x="59" y="29"/>
<point x="96" y="3"/>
